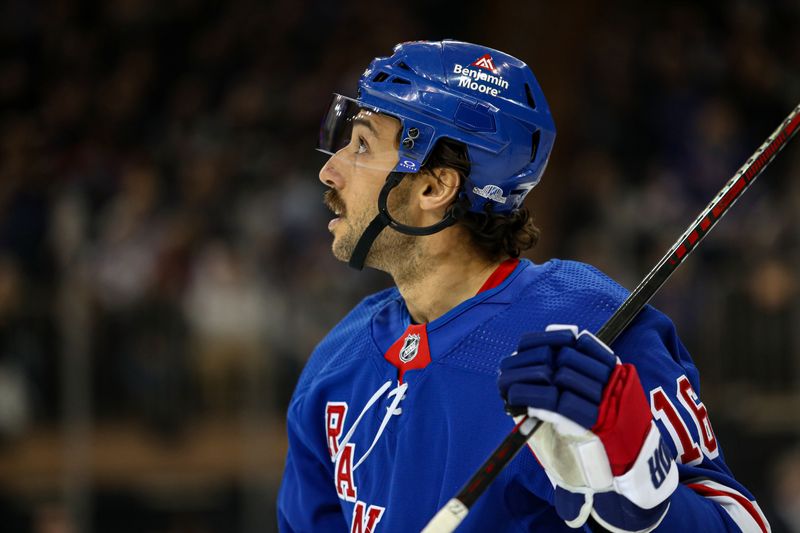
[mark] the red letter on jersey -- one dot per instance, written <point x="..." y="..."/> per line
<point x="345" y="486"/>
<point x="365" y="524"/>
<point x="334" y="422"/>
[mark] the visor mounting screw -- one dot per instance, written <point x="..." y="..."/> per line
<point x="408" y="143"/>
<point x="413" y="133"/>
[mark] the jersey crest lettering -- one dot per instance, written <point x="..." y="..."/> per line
<point x="365" y="519"/>
<point x="335" y="413"/>
<point x="345" y="485"/>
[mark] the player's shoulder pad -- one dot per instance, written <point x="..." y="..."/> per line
<point x="565" y="292"/>
<point x="574" y="276"/>
<point x="572" y="293"/>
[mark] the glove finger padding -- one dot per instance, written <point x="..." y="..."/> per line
<point x="590" y="345"/>
<point x="577" y="409"/>
<point x="552" y="338"/>
<point x="520" y="395"/>
<point x="588" y="366"/>
<point x="586" y="385"/>
<point x="528" y="375"/>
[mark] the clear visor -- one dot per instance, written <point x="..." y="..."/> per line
<point x="360" y="135"/>
<point x="336" y="129"/>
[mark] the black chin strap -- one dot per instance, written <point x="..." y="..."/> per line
<point x="383" y="219"/>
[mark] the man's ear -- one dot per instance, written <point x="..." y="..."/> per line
<point x="439" y="189"/>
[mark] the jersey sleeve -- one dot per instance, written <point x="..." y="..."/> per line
<point x="708" y="498"/>
<point x="307" y="500"/>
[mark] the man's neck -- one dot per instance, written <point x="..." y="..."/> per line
<point x="454" y="274"/>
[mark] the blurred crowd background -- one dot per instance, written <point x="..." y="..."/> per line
<point x="164" y="259"/>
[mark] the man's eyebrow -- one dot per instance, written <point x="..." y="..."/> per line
<point x="367" y="124"/>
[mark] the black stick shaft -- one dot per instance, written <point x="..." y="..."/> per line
<point x="702" y="225"/>
<point x="629" y="309"/>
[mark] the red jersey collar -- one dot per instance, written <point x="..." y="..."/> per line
<point x="500" y="274"/>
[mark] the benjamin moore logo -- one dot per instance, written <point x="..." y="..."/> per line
<point x="492" y="192"/>
<point x="478" y="79"/>
<point x="485" y="62"/>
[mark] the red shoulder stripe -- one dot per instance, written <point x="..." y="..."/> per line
<point x="706" y="491"/>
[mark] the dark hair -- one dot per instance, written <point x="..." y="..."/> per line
<point x="495" y="234"/>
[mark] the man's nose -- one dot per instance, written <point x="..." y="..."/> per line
<point x="330" y="175"/>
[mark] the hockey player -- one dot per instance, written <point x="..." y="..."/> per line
<point x="398" y="405"/>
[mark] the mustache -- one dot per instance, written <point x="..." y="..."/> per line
<point x="334" y="202"/>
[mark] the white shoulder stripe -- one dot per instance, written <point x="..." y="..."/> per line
<point x="745" y="512"/>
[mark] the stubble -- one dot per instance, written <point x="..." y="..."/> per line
<point x="393" y="252"/>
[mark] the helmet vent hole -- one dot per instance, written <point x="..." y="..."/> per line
<point x="401" y="80"/>
<point x="379" y="77"/>
<point x="531" y="101"/>
<point x="535" y="143"/>
<point x="403" y="66"/>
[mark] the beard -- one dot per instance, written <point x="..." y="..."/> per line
<point x="391" y="250"/>
<point x="349" y="228"/>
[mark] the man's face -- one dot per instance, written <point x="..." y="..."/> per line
<point x="355" y="175"/>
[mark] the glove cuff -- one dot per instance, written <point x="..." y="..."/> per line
<point x="653" y="476"/>
<point x="617" y="514"/>
<point x="640" y="498"/>
<point x="573" y="507"/>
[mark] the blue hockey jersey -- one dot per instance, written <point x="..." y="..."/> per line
<point x="390" y="418"/>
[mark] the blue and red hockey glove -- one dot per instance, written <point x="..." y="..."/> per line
<point x="598" y="442"/>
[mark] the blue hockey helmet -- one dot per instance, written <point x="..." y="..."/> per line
<point x="484" y="98"/>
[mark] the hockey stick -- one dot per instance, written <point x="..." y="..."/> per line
<point x="450" y="516"/>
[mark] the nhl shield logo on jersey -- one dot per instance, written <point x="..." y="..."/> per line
<point x="410" y="347"/>
<point x="410" y="351"/>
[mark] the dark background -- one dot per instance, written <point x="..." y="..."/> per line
<point x="164" y="259"/>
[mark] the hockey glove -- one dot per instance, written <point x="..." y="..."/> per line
<point x="598" y="442"/>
